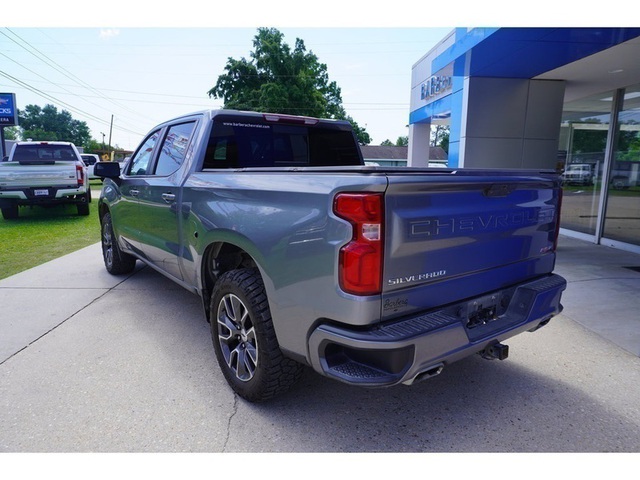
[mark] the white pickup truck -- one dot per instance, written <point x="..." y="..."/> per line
<point x="44" y="174"/>
<point x="578" y="174"/>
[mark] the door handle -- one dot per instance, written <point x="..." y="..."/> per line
<point x="134" y="193"/>
<point x="168" y="197"/>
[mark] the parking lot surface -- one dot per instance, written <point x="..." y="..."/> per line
<point x="95" y="363"/>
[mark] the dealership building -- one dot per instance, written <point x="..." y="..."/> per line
<point x="566" y="99"/>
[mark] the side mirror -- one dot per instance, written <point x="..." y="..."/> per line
<point x="107" y="169"/>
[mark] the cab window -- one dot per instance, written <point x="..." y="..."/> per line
<point x="141" y="161"/>
<point x="174" y="148"/>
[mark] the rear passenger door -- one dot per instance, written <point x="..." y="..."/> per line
<point x="158" y="199"/>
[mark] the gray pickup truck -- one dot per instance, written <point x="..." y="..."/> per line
<point x="43" y="174"/>
<point x="302" y="255"/>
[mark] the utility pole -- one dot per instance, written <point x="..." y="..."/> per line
<point x="110" y="129"/>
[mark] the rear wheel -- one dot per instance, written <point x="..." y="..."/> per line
<point x="115" y="261"/>
<point x="10" y="213"/>
<point x="244" y="339"/>
<point x="83" y="209"/>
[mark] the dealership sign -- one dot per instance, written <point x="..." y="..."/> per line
<point x="435" y="87"/>
<point x="8" y="110"/>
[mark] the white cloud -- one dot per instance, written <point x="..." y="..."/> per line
<point x="107" y="33"/>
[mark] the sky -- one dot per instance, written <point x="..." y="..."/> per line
<point x="144" y="76"/>
<point x="124" y="67"/>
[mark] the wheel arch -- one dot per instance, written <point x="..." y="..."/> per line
<point x="103" y="209"/>
<point x="218" y="258"/>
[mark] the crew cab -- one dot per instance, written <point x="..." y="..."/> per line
<point x="304" y="256"/>
<point x="43" y="174"/>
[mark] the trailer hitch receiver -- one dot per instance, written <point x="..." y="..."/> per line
<point x="495" y="351"/>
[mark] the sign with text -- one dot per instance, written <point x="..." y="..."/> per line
<point x="435" y="87"/>
<point x="8" y="110"/>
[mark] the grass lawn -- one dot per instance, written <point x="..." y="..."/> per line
<point x="42" y="234"/>
<point x="624" y="192"/>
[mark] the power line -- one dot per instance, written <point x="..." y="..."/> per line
<point x="57" y="100"/>
<point x="52" y="64"/>
<point x="203" y="98"/>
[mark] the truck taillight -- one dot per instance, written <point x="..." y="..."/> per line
<point x="360" y="264"/>
<point x="79" y="175"/>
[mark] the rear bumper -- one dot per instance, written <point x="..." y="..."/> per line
<point x="577" y="180"/>
<point x="37" y="196"/>
<point x="416" y="347"/>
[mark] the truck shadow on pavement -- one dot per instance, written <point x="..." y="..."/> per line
<point x="472" y="407"/>
<point x="520" y="405"/>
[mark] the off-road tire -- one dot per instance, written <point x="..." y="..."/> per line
<point x="244" y="339"/>
<point x="83" y="209"/>
<point x="115" y="261"/>
<point x="10" y="213"/>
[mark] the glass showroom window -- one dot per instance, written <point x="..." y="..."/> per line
<point x="583" y="142"/>
<point x="622" y="218"/>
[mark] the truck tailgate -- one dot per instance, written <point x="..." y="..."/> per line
<point x="58" y="174"/>
<point x="457" y="234"/>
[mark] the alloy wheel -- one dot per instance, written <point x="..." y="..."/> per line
<point x="237" y="337"/>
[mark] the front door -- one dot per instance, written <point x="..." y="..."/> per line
<point x="158" y="201"/>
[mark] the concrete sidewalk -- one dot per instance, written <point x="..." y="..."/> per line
<point x="95" y="363"/>
<point x="603" y="293"/>
<point x="36" y="301"/>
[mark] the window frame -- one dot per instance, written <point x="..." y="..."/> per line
<point x="163" y="132"/>
<point x="154" y="150"/>
<point x="165" y="135"/>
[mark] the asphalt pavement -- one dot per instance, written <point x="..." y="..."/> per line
<point x="95" y="363"/>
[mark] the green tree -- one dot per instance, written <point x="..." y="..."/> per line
<point x="11" y="133"/>
<point x="361" y="134"/>
<point x="628" y="143"/>
<point x="278" y="79"/>
<point x="400" y="142"/>
<point x="48" y="124"/>
<point x="589" y="141"/>
<point x="440" y="137"/>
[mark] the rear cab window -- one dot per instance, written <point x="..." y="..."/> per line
<point x="45" y="153"/>
<point x="244" y="142"/>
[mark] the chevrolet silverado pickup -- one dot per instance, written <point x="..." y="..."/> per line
<point x="304" y="256"/>
<point x="44" y="174"/>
